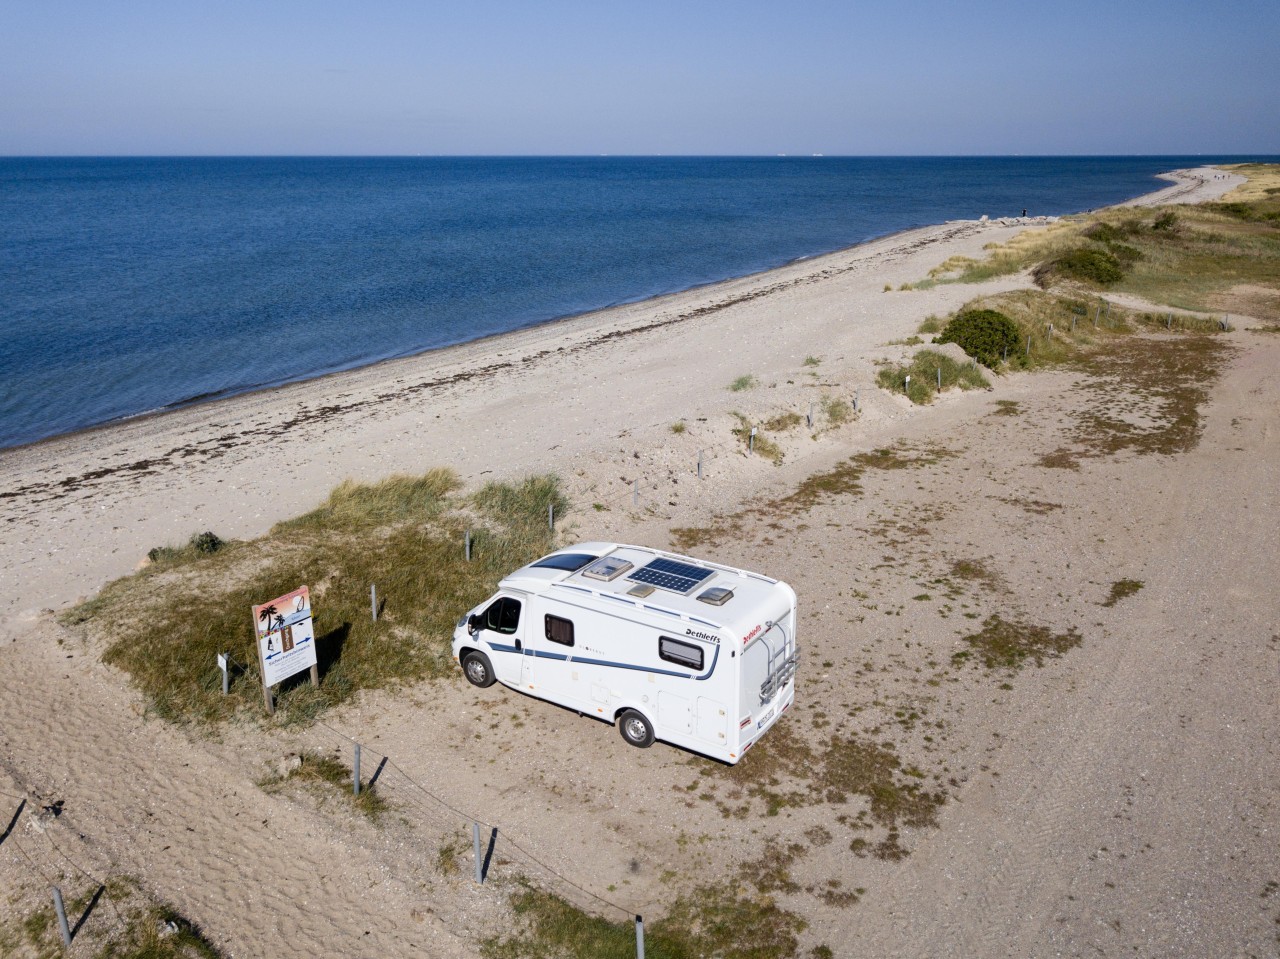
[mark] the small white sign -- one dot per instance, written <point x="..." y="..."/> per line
<point x="222" y="662"/>
<point x="286" y="636"/>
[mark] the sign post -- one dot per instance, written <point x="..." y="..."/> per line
<point x="286" y="641"/>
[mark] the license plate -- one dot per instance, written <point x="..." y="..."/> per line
<point x="764" y="720"/>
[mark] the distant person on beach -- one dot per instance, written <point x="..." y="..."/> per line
<point x="1024" y="213"/>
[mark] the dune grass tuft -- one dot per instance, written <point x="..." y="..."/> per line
<point x="923" y="370"/>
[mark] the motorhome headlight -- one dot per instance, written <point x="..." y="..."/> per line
<point x="462" y="622"/>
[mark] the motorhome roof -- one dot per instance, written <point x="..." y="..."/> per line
<point x="656" y="580"/>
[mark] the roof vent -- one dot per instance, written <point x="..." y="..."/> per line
<point x="716" y="596"/>
<point x="607" y="569"/>
<point x="640" y="590"/>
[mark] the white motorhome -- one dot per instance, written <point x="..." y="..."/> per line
<point x="699" y="655"/>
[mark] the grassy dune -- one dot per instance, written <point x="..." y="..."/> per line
<point x="1210" y="257"/>
<point x="166" y="624"/>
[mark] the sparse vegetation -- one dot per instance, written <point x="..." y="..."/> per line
<point x="837" y="411"/>
<point x="333" y="779"/>
<point x="1206" y="257"/>
<point x="746" y="381"/>
<point x="1122" y="588"/>
<point x="931" y="324"/>
<point x="139" y="928"/>
<point x="1007" y="645"/>
<point x="1099" y="267"/>
<point x="678" y="427"/>
<point x="812" y="361"/>
<point x="710" y="920"/>
<point x="159" y="933"/>
<point x="761" y="445"/>
<point x="844" y="480"/>
<point x="199" y="544"/>
<point x="923" y="371"/>
<point x="782" y="422"/>
<point x="403" y="534"/>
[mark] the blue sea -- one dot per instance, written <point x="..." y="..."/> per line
<point x="132" y="285"/>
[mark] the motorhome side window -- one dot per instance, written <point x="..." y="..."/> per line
<point x="503" y="615"/>
<point x="680" y="653"/>
<point x="559" y="630"/>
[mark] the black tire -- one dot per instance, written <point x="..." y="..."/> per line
<point x="635" y="729"/>
<point x="478" y="670"/>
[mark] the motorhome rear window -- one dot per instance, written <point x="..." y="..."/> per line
<point x="572" y="562"/>
<point x="559" y="630"/>
<point x="681" y="653"/>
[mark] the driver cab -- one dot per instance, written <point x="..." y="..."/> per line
<point x="498" y="625"/>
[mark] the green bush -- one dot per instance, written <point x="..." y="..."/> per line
<point x="1165" y="222"/>
<point x="1125" y="255"/>
<point x="1248" y="212"/>
<point x="982" y="334"/>
<point x="206" y="542"/>
<point x="923" y="371"/>
<point x="1088" y="266"/>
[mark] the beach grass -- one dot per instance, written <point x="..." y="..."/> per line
<point x="761" y="444"/>
<point x="923" y="371"/>
<point x="1221" y="256"/>
<point x="712" y="920"/>
<point x="143" y="928"/>
<point x="332" y="779"/>
<point x="166" y="624"/>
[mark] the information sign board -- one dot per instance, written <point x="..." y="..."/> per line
<point x="286" y="637"/>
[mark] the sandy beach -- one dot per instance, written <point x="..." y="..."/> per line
<point x="1119" y="800"/>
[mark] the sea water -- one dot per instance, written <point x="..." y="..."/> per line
<point x="131" y="285"/>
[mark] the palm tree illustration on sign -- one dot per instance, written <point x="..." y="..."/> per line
<point x="267" y="614"/>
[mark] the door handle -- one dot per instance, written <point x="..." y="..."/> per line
<point x="519" y="647"/>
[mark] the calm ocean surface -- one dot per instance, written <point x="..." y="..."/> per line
<point x="129" y="285"/>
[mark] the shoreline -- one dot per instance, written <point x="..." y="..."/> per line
<point x="557" y="396"/>
<point x="1178" y="188"/>
<point x="601" y="313"/>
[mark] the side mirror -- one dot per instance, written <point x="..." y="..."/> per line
<point x="473" y="623"/>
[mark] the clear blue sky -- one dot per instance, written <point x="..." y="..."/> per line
<point x="695" y="76"/>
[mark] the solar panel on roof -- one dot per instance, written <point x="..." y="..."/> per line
<point x="671" y="575"/>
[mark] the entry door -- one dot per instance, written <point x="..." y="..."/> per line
<point x="548" y="644"/>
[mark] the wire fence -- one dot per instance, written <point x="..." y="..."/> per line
<point x="440" y="832"/>
<point x="65" y="868"/>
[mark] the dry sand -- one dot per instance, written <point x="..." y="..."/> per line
<point x="1118" y="800"/>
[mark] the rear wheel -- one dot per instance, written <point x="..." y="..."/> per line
<point x="475" y="666"/>
<point x="635" y="729"/>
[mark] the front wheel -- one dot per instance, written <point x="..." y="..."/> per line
<point x="475" y="666"/>
<point x="635" y="729"/>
